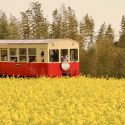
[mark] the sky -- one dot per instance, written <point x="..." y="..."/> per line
<point x="108" y="11"/>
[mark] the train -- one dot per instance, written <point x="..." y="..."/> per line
<point x="40" y="57"/>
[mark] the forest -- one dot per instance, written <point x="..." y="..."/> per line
<point x="101" y="55"/>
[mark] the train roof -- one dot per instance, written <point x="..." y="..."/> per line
<point x="34" y="41"/>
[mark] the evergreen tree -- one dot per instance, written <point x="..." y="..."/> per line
<point x="119" y="62"/>
<point x="56" y="25"/>
<point x="4" y="27"/>
<point x="110" y="34"/>
<point x="64" y="22"/>
<point x="82" y="57"/>
<point x="123" y="24"/>
<point x="122" y="41"/>
<point x="87" y="58"/>
<point x="101" y="34"/>
<point x="122" y="34"/>
<point x="105" y="51"/>
<point x="25" y="25"/>
<point x="72" y="25"/>
<point x="87" y="31"/>
<point x="39" y="22"/>
<point x="14" y="28"/>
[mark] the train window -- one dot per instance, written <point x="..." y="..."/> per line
<point x="31" y="51"/>
<point x="32" y="54"/>
<point x="54" y="55"/>
<point x="64" y="55"/>
<point x="13" y="54"/>
<point x="42" y="56"/>
<point x="4" y="55"/>
<point x="22" y="54"/>
<point x="73" y="54"/>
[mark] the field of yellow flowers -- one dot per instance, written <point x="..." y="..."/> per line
<point x="62" y="101"/>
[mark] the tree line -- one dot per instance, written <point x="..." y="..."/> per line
<point x="100" y="54"/>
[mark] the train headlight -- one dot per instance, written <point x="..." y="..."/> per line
<point x="65" y="66"/>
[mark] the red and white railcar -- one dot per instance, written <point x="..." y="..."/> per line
<point x="49" y="57"/>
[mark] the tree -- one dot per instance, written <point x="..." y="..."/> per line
<point x="105" y="51"/>
<point x="123" y="24"/>
<point x="87" y="52"/>
<point x="110" y="34"/>
<point x="72" y="24"/>
<point x="87" y="31"/>
<point x="122" y="34"/>
<point x="64" y="22"/>
<point x="101" y="34"/>
<point x="4" y="27"/>
<point x="14" y="28"/>
<point x="119" y="62"/>
<point x="39" y="22"/>
<point x="56" y="25"/>
<point x="26" y="25"/>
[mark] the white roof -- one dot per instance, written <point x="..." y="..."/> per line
<point x="27" y="41"/>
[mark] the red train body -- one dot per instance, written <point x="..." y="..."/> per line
<point x="37" y="69"/>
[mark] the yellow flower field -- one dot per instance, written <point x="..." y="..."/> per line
<point x="62" y="101"/>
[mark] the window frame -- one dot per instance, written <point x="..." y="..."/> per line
<point x="32" y="55"/>
<point x="63" y="56"/>
<point x="53" y="55"/>
<point x="76" y="55"/>
<point x="15" y="56"/>
<point x="22" y="55"/>
<point x="1" y="55"/>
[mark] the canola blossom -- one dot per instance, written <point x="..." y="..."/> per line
<point x="62" y="101"/>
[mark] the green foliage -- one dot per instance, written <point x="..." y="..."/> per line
<point x="56" y="25"/>
<point x="110" y="34"/>
<point x="102" y="32"/>
<point x="25" y="24"/>
<point x="33" y="24"/>
<point x="122" y="41"/>
<point x="103" y="58"/>
<point x="87" y="31"/>
<point x="14" y="28"/>
<point x="38" y="21"/>
<point x="4" y="27"/>
<point x="123" y="24"/>
<point x="72" y="24"/>
<point x="122" y="35"/>
<point x="64" y="24"/>
<point x="64" y="27"/>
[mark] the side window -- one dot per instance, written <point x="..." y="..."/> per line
<point x="54" y="55"/>
<point x="42" y="54"/>
<point x="64" y="55"/>
<point x="13" y="54"/>
<point x="32" y="54"/>
<point x="4" y="55"/>
<point x="73" y="54"/>
<point x="22" y="54"/>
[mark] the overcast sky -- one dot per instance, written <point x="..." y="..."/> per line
<point x="109" y="11"/>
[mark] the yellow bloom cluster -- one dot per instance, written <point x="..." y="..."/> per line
<point x="62" y="101"/>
